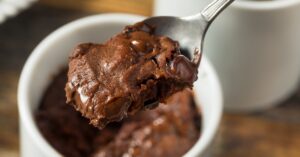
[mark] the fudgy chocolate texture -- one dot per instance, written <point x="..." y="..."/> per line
<point x="132" y="71"/>
<point x="168" y="130"/>
<point x="63" y="127"/>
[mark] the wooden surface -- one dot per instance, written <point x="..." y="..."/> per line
<point x="143" y="7"/>
<point x="272" y="133"/>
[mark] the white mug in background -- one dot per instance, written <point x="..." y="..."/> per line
<point x="254" y="46"/>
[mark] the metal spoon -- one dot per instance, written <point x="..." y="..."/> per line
<point x="189" y="31"/>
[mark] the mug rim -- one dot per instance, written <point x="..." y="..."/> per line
<point x="26" y="116"/>
<point x="263" y="5"/>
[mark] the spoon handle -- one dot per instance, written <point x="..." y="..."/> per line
<point x="214" y="8"/>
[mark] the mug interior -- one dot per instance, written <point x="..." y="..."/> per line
<point x="51" y="55"/>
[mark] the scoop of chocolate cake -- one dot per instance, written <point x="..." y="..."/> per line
<point x="132" y="71"/>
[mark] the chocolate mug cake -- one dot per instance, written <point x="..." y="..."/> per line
<point x="169" y="130"/>
<point x="133" y="71"/>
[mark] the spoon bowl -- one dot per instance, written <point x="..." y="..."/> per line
<point x="189" y="31"/>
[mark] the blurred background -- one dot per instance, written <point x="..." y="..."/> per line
<point x="273" y="132"/>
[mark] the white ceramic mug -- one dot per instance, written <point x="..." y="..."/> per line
<point x="51" y="55"/>
<point x="254" y="46"/>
